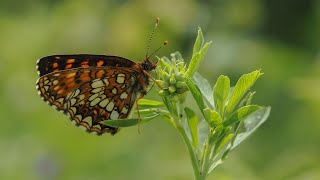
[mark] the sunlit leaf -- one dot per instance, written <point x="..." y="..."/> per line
<point x="242" y="86"/>
<point x="212" y="117"/>
<point x="196" y="94"/>
<point x="128" y="122"/>
<point x="192" y="120"/>
<point x="204" y="87"/>
<point x="194" y="63"/>
<point x="240" y="114"/>
<point x="251" y="123"/>
<point x="224" y="141"/>
<point x="145" y="103"/>
<point x="199" y="42"/>
<point x="220" y="93"/>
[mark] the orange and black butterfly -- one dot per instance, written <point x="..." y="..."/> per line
<point x="93" y="88"/>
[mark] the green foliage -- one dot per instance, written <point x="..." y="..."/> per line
<point x="230" y="117"/>
<point x="221" y="92"/>
<point x="241" y="88"/>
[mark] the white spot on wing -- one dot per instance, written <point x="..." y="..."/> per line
<point x="106" y="81"/>
<point x="73" y="109"/>
<point x="114" y="115"/>
<point x="123" y="95"/>
<point x="60" y="100"/>
<point x="88" y="120"/>
<point x="124" y="110"/>
<point x="114" y="90"/>
<point x="73" y="101"/>
<point x="94" y="96"/>
<point x="79" y="117"/>
<point x="120" y="78"/>
<point x="97" y="84"/>
<point x="95" y="102"/>
<point x="76" y="92"/>
<point x="97" y="126"/>
<point x="96" y="90"/>
<point x="110" y="106"/>
<point x="104" y="102"/>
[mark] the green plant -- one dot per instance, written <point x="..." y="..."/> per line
<point x="225" y="115"/>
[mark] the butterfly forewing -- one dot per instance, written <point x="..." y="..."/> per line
<point x="90" y="95"/>
<point x="56" y="63"/>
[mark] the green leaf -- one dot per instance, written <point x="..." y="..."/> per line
<point x="193" y="65"/>
<point x="204" y="50"/>
<point x="128" y="122"/>
<point x="246" y="100"/>
<point x="196" y="59"/>
<point x="240" y="114"/>
<point x="196" y="94"/>
<point x="250" y="98"/>
<point x="220" y="93"/>
<point x="145" y="103"/>
<point x="224" y="141"/>
<point x="204" y="87"/>
<point x="212" y="117"/>
<point x="251" y="123"/>
<point x="242" y="86"/>
<point x="199" y="42"/>
<point x="145" y="112"/>
<point x="193" y="126"/>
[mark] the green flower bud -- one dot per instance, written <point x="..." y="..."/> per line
<point x="179" y="77"/>
<point x="181" y="90"/>
<point x="163" y="92"/>
<point x="173" y="80"/>
<point x="172" y="89"/>
<point x="180" y="85"/>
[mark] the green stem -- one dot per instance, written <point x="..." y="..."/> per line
<point x="192" y="154"/>
<point x="206" y="160"/>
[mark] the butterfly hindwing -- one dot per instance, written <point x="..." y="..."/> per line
<point x="89" y="96"/>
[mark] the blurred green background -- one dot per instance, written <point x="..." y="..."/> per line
<point x="280" y="37"/>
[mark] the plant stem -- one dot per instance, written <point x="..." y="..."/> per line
<point x="206" y="160"/>
<point x="192" y="154"/>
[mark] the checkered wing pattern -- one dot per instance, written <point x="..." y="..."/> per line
<point x="90" y="95"/>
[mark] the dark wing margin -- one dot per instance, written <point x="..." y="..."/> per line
<point x="56" y="63"/>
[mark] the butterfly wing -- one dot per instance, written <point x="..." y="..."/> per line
<point x="56" y="63"/>
<point x="91" y="95"/>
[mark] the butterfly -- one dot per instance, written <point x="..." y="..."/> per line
<point x="93" y="88"/>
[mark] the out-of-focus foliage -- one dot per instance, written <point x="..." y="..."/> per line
<point x="280" y="37"/>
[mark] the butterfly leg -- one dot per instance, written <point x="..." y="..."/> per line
<point x="139" y="117"/>
<point x="155" y="81"/>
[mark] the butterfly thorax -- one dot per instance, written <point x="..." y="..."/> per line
<point x="145" y="68"/>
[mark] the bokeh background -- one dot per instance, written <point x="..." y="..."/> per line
<point x="279" y="37"/>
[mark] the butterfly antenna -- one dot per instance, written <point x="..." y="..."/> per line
<point x="151" y="36"/>
<point x="164" y="43"/>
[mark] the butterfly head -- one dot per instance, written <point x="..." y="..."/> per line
<point x="148" y="66"/>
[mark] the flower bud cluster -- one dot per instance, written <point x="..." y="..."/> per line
<point x="171" y="75"/>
